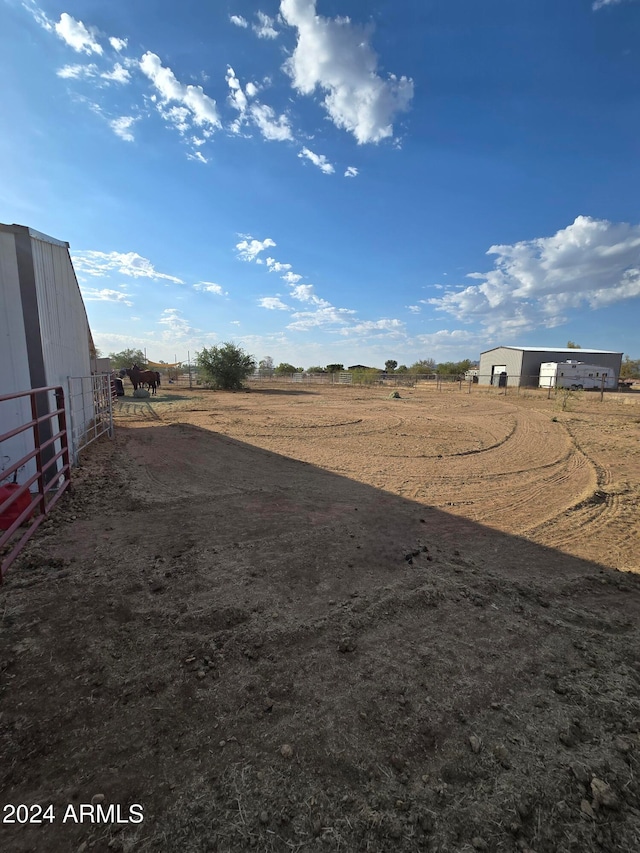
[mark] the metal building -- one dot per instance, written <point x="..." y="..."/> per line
<point x="44" y="331"/>
<point x="522" y="364"/>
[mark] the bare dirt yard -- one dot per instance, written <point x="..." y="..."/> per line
<point x="309" y="618"/>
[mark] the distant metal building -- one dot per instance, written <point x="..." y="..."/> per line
<point x="44" y="331"/>
<point x="522" y="364"/>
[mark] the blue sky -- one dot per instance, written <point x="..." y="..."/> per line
<point x="332" y="181"/>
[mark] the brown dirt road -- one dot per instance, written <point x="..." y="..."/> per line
<point x="323" y="619"/>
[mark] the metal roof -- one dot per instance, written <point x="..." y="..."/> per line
<point x="36" y="235"/>
<point x="555" y="349"/>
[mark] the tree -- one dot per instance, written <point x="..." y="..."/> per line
<point x="284" y="368"/>
<point x="226" y="366"/>
<point x="630" y="368"/>
<point x="266" y="366"/>
<point x="390" y="365"/>
<point x="126" y="358"/>
<point x="402" y="369"/>
<point x="572" y="345"/>
<point x="367" y="376"/>
<point x="425" y="365"/>
<point x="453" y="368"/>
<point x="334" y="368"/>
<point x="316" y="369"/>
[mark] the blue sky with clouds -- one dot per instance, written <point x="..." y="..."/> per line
<point x="332" y="181"/>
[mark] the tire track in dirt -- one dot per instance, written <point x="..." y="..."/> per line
<point x="506" y="485"/>
<point x="590" y="514"/>
<point x="498" y="443"/>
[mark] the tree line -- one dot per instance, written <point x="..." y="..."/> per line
<point x="228" y="366"/>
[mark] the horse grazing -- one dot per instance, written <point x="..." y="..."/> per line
<point x="139" y="377"/>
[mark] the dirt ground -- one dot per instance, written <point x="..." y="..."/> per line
<point x="320" y="618"/>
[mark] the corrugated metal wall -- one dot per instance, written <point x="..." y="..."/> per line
<point x="58" y="310"/>
<point x="510" y="358"/>
<point x="14" y="362"/>
<point x="523" y="366"/>
<point x="63" y="320"/>
<point x="533" y="360"/>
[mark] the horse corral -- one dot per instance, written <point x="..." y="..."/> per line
<point x="324" y="618"/>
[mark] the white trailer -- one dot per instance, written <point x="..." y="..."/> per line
<point x="576" y="375"/>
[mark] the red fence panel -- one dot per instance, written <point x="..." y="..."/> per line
<point x="22" y="509"/>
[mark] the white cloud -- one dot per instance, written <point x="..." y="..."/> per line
<point x="445" y="341"/>
<point x="177" y="326"/>
<point x="323" y="316"/>
<point x="249" y="249"/>
<point x="210" y="287"/>
<point x="179" y="117"/>
<point x="104" y="263"/>
<point x="118" y="74"/>
<point x="91" y="294"/>
<point x="336" y="56"/>
<point x="318" y="160"/>
<point x="264" y="28"/>
<point x="415" y="309"/>
<point x="239" y="21"/>
<point x="202" y="109"/>
<point x="599" y="4"/>
<point x="264" y="117"/>
<point x="272" y="128"/>
<point x="276" y="266"/>
<point x="305" y="293"/>
<point x="351" y="172"/>
<point x="374" y="327"/>
<point x="537" y="282"/>
<point x="77" y="36"/>
<point x="237" y="98"/>
<point x="118" y="44"/>
<point x="198" y="156"/>
<point x="273" y="303"/>
<point x="38" y="15"/>
<point x="77" y="72"/>
<point x="291" y="278"/>
<point x="251" y="89"/>
<point x="121" y="126"/>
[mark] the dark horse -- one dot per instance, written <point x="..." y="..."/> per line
<point x="141" y="377"/>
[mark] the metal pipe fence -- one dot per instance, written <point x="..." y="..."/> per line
<point x="90" y="409"/>
<point x="46" y="462"/>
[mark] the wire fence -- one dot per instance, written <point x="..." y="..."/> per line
<point x="473" y="380"/>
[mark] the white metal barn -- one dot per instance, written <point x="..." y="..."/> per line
<point x="522" y="364"/>
<point x="44" y="331"/>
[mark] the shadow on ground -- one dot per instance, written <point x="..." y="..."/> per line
<point x="269" y="656"/>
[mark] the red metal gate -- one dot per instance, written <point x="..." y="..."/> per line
<point x="46" y="431"/>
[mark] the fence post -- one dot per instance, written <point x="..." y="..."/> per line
<point x="108" y="391"/>
<point x="602" y="388"/>
<point x="62" y="427"/>
<point x="36" y="441"/>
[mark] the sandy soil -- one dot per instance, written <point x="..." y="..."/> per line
<point x="325" y="619"/>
